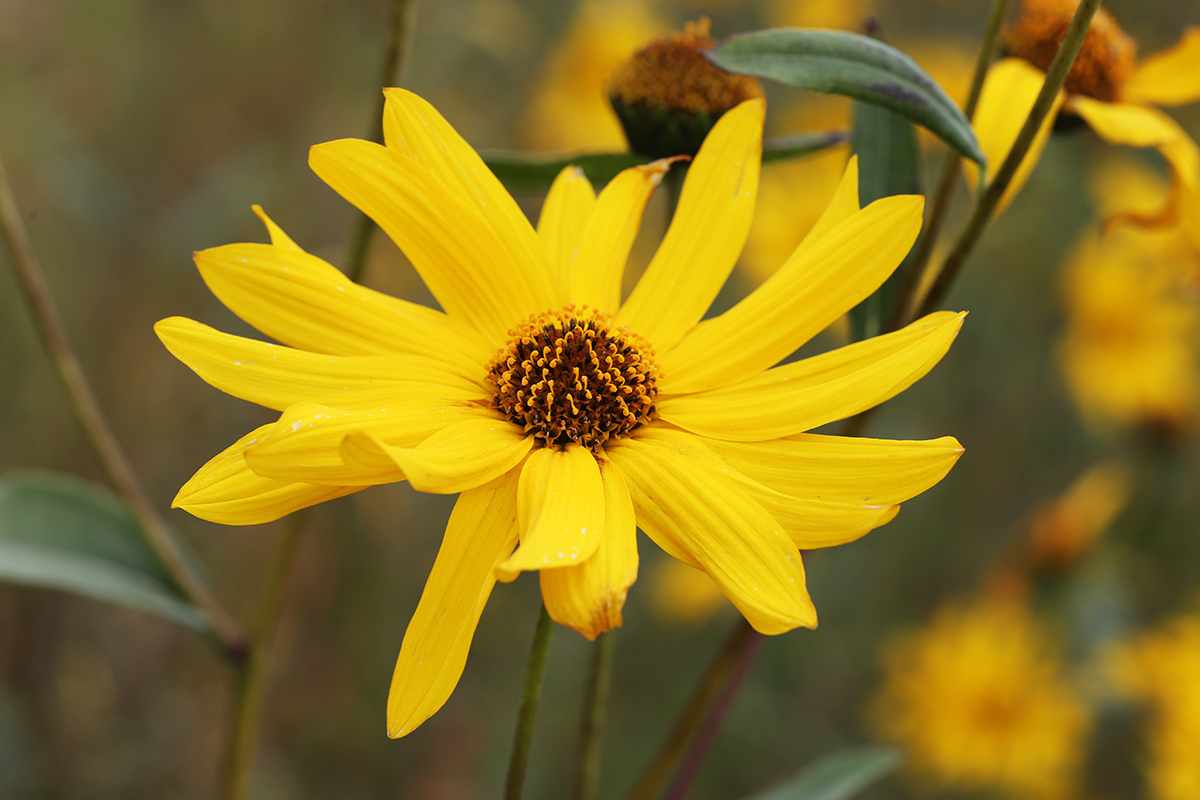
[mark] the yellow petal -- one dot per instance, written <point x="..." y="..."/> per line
<point x="566" y="210"/>
<point x="1009" y="90"/>
<point x="1170" y="77"/>
<point x="305" y="444"/>
<point x="456" y="458"/>
<point x="806" y="394"/>
<point x="277" y="377"/>
<point x="801" y="299"/>
<point x="306" y="303"/>
<point x="707" y="233"/>
<point x="415" y="129"/>
<point x="810" y="523"/>
<point x="228" y="492"/>
<point x="589" y="597"/>
<point x="278" y="237"/>
<point x="1127" y="123"/>
<point x="481" y="533"/>
<point x="595" y="273"/>
<point x="842" y="469"/>
<point x="842" y="206"/>
<point x="560" y="510"/>
<point x="681" y="499"/>
<point x="477" y="272"/>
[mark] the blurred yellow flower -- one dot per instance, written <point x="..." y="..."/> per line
<point x="562" y="416"/>
<point x="570" y="108"/>
<point x="979" y="702"/>
<point x="1162" y="669"/>
<point x="845" y="15"/>
<point x="1113" y="92"/>
<point x="1064" y="529"/>
<point x="682" y="594"/>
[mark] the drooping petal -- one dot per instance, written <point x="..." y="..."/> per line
<point x="681" y="499"/>
<point x="589" y="597"/>
<point x="415" y="129"/>
<point x="456" y="458"/>
<point x="277" y="377"/>
<point x="810" y="523"/>
<point x="1170" y="77"/>
<point x="706" y="234"/>
<point x="306" y="443"/>
<point x="801" y="299"/>
<point x="560" y="510"/>
<point x="481" y="533"/>
<point x="228" y="492"/>
<point x="278" y="237"/>
<point x="306" y="303"/>
<point x="806" y="394"/>
<point x="476" y="272"/>
<point x="595" y="273"/>
<point x="568" y="205"/>
<point x="1143" y="126"/>
<point x="842" y="469"/>
<point x="1009" y="90"/>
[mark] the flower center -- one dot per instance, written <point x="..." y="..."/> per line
<point x="1105" y="61"/>
<point x="569" y="376"/>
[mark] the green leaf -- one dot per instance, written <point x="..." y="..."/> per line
<point x="836" y="776"/>
<point x="529" y="173"/>
<point x="59" y="532"/>
<point x="834" y="62"/>
<point x="889" y="163"/>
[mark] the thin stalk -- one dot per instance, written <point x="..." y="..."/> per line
<point x="97" y="429"/>
<point x="1056" y="75"/>
<point x="587" y="777"/>
<point x="391" y="71"/>
<point x="708" y="734"/>
<point x="252" y="677"/>
<point x="720" y="673"/>
<point x="534" y="672"/>
<point x="949" y="176"/>
<point x="247" y="718"/>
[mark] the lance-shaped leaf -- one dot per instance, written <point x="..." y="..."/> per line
<point x="834" y="62"/>
<point x="59" y="532"/>
<point x="889" y="163"/>
<point x="836" y="776"/>
<point x="533" y="173"/>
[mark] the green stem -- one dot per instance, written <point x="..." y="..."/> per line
<point x="252" y="678"/>
<point x="530" y="698"/>
<point x="1056" y="75"/>
<point x="711" y="687"/>
<point x="948" y="179"/>
<point x="587" y="779"/>
<point x="395" y="61"/>
<point x="97" y="429"/>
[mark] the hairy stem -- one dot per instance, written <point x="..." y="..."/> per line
<point x="530" y="698"/>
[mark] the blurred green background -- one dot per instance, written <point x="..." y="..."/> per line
<point x="137" y="131"/>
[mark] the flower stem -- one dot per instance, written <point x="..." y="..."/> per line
<point x="587" y="779"/>
<point x="948" y="178"/>
<point x="1056" y="75"/>
<point x="395" y="60"/>
<point x="252" y="677"/>
<point x="99" y="433"/>
<point x="704" y="739"/>
<point x="721" y="674"/>
<point x="532" y="695"/>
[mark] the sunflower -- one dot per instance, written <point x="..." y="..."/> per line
<point x="1107" y="87"/>
<point x="565" y="417"/>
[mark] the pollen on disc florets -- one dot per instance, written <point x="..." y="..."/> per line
<point x="1105" y="61"/>
<point x="571" y="376"/>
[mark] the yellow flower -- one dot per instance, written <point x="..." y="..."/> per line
<point x="1106" y="86"/>
<point x="570" y="108"/>
<point x="837" y="14"/>
<point x="979" y="702"/>
<point x="1162" y="669"/>
<point x="1063" y="530"/>
<point x="564" y="416"/>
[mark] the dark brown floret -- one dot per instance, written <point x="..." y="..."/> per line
<point x="568" y="376"/>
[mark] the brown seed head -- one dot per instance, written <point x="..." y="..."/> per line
<point x="570" y="376"/>
<point x="1105" y="61"/>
